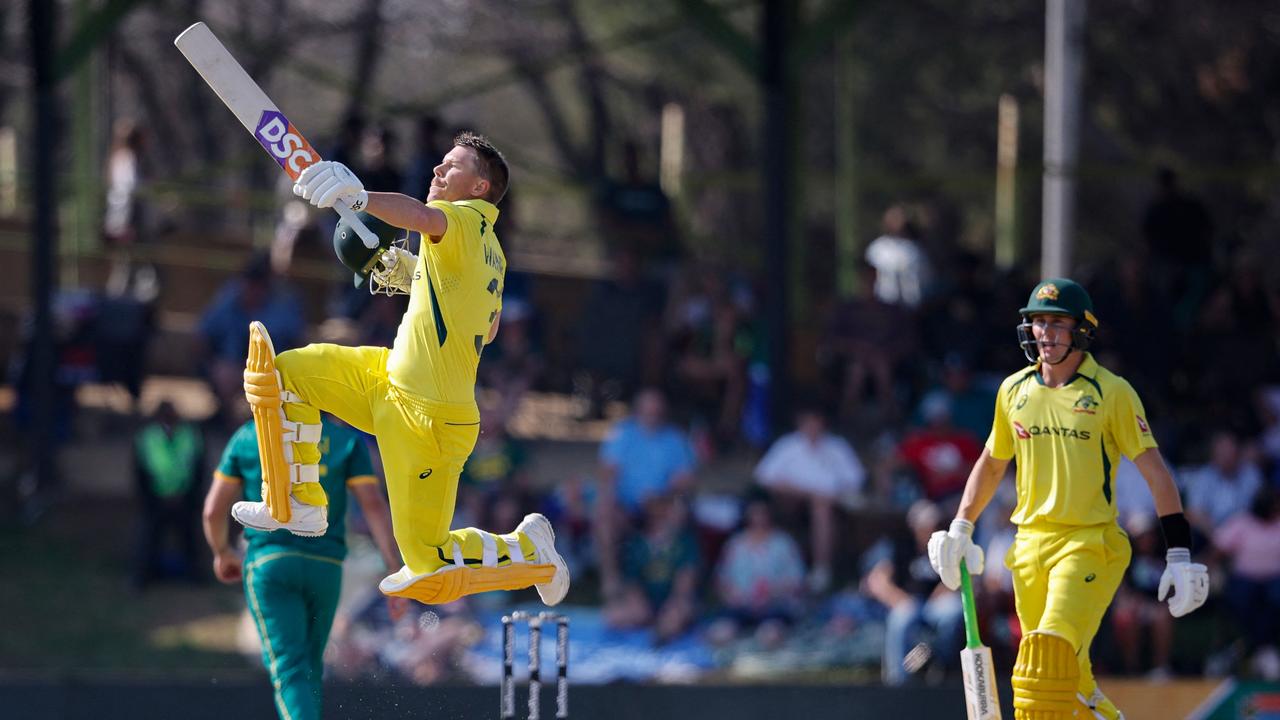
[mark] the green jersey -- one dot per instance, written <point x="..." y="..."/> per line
<point x="344" y="461"/>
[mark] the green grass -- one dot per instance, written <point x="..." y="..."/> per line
<point x="68" y="603"/>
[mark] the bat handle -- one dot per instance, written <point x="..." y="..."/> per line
<point x="349" y="217"/>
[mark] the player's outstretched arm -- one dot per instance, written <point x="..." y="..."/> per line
<point x="1189" y="581"/>
<point x="327" y="182"/>
<point x="981" y="486"/>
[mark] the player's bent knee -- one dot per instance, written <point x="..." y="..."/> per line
<point x="1045" y="678"/>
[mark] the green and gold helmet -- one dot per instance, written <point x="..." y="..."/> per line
<point x="351" y="250"/>
<point x="1058" y="296"/>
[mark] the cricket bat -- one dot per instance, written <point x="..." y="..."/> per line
<point x="256" y="112"/>
<point x="980" y="697"/>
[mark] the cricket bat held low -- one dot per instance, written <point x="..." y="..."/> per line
<point x="980" y="697"/>
<point x="256" y="112"/>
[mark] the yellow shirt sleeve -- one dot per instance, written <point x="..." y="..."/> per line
<point x="1127" y="422"/>
<point x="449" y="250"/>
<point x="1000" y="441"/>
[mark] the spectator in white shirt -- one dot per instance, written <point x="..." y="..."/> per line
<point x="902" y="269"/>
<point x="1223" y="487"/>
<point x="818" y="468"/>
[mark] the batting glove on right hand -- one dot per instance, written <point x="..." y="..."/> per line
<point x="1190" y="582"/>
<point x="946" y="549"/>
<point x="327" y="182"/>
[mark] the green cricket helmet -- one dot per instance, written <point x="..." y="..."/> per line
<point x="1058" y="296"/>
<point x="351" y="250"/>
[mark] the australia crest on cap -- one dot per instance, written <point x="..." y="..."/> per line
<point x="1048" y="291"/>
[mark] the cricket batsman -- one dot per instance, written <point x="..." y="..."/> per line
<point x="1067" y="420"/>
<point x="418" y="398"/>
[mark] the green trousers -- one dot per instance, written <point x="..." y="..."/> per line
<point x="292" y="597"/>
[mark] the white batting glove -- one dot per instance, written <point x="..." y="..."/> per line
<point x="1190" y="582"/>
<point x="946" y="549"/>
<point x="327" y="182"/>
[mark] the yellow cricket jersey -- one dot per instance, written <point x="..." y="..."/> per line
<point x="1067" y="442"/>
<point x="456" y="294"/>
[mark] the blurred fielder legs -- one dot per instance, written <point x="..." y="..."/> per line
<point x="423" y="450"/>
<point x="1063" y="584"/>
<point x="293" y="598"/>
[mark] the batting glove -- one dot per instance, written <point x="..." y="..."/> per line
<point x="326" y="183"/>
<point x="946" y="549"/>
<point x="1189" y="581"/>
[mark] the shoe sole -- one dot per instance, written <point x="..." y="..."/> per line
<point x="542" y="530"/>
<point x="300" y="533"/>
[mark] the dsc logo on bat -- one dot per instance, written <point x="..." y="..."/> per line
<point x="285" y="143"/>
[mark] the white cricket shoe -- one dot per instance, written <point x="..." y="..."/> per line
<point x="538" y="529"/>
<point x="307" y="520"/>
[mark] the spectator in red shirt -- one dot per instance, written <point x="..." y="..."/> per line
<point x="940" y="454"/>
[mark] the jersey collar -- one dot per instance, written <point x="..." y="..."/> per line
<point x="1087" y="370"/>
<point x="484" y="207"/>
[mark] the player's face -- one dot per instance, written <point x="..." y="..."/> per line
<point x="1053" y="336"/>
<point x="457" y="177"/>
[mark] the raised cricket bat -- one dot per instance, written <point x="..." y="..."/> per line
<point x="256" y="112"/>
<point x="980" y="697"/>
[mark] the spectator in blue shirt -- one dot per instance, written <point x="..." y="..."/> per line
<point x="224" y="327"/>
<point x="643" y="457"/>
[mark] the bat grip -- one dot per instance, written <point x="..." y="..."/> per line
<point x="349" y="217"/>
<point x="972" y="639"/>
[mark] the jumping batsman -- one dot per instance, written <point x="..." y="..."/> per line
<point x="418" y="398"/>
<point x="1067" y="420"/>
<point x="291" y="584"/>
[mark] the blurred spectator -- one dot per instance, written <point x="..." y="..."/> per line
<point x="939" y="453"/>
<point x="759" y="577"/>
<point x="1179" y="239"/>
<point x="972" y="405"/>
<point x="125" y="221"/>
<point x="168" y="458"/>
<point x="709" y="343"/>
<point x="1137" y="325"/>
<point x="611" y="364"/>
<point x="495" y="469"/>
<point x="1222" y="488"/>
<point x="901" y="579"/>
<point x="817" y="468"/>
<point x="902" y="268"/>
<point x="513" y="362"/>
<point x="224" y="328"/>
<point x="958" y="318"/>
<point x="660" y="573"/>
<point x="377" y="148"/>
<point x="1249" y="541"/>
<point x="643" y="457"/>
<point x="635" y="212"/>
<point x="867" y="337"/>
<point x="1235" y="345"/>
<point x="429" y="147"/>
<point x="1268" y="403"/>
<point x="1136" y="609"/>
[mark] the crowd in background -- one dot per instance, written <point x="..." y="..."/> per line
<point x="829" y="522"/>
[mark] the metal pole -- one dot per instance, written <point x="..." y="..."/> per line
<point x="44" y="242"/>
<point x="1064" y="40"/>
<point x="776" y="169"/>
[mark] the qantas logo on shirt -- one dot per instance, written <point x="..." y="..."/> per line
<point x="1142" y="425"/>
<point x="1025" y="433"/>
